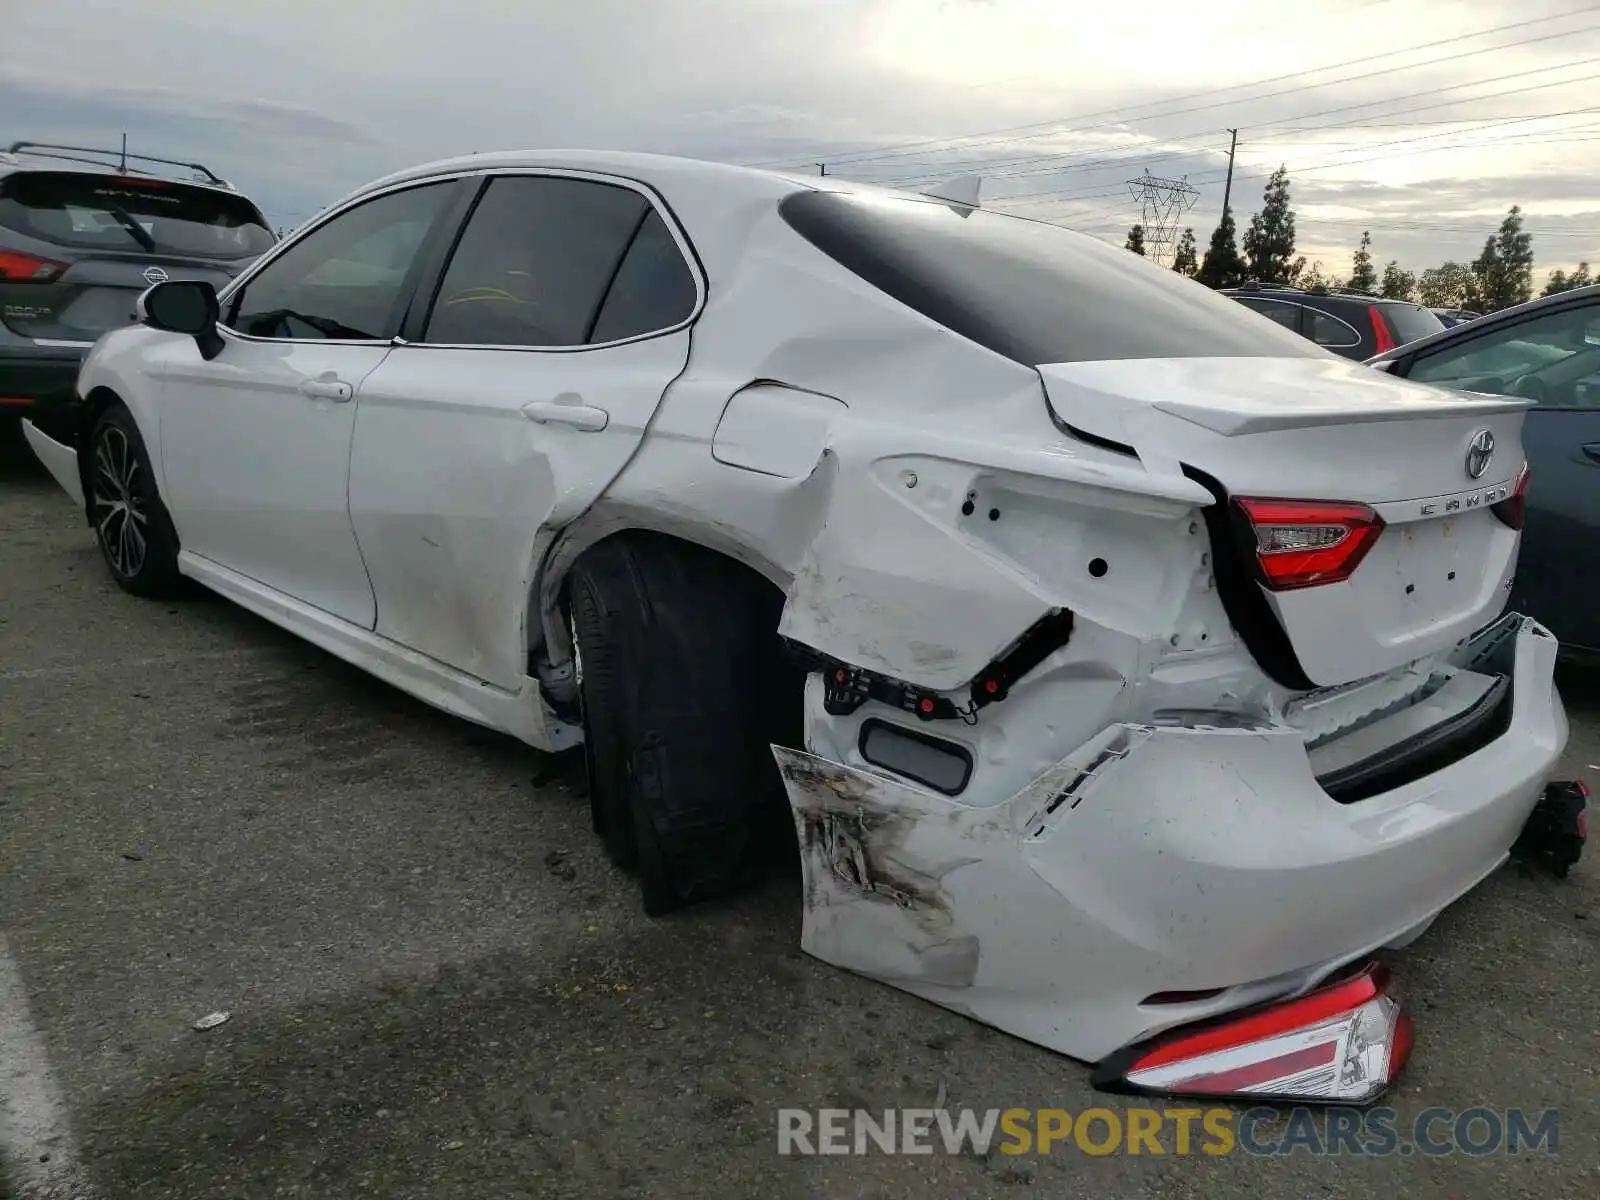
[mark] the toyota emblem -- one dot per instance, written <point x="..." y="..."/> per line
<point x="155" y="275"/>
<point x="1479" y="451"/>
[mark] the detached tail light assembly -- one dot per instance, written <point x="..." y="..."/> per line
<point x="1307" y="543"/>
<point x="1341" y="1044"/>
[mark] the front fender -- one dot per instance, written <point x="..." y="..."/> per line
<point x="125" y="366"/>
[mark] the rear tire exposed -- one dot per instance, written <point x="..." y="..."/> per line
<point x="684" y="688"/>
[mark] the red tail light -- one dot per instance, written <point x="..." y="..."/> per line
<point x="1514" y="507"/>
<point x="1380" y="329"/>
<point x="25" y="268"/>
<point x="1307" y="543"/>
<point x="1345" y="1042"/>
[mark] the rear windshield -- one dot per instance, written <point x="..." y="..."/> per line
<point x="1411" y="321"/>
<point x="111" y="212"/>
<point x="1033" y="292"/>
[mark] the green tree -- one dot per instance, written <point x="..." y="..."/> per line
<point x="1222" y="266"/>
<point x="1580" y="277"/>
<point x="1269" y="242"/>
<point x="1363" y="277"/>
<point x="1445" y="286"/>
<point x="1135" y="240"/>
<point x="1187" y="259"/>
<point x="1556" y="283"/>
<point x="1315" y="280"/>
<point x="1503" y="274"/>
<point x="1398" y="283"/>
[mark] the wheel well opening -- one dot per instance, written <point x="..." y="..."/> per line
<point x="784" y="678"/>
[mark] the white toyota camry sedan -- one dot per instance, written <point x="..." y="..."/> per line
<point x="1125" y="670"/>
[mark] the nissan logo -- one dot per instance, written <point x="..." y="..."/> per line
<point x="1479" y="451"/>
<point x="155" y="275"/>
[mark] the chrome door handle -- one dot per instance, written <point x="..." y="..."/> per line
<point x="327" y="388"/>
<point x="567" y="409"/>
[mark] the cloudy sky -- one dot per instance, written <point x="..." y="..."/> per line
<point x="1419" y="119"/>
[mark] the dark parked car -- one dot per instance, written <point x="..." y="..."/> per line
<point x="1546" y="351"/>
<point x="81" y="238"/>
<point x="1451" y="317"/>
<point x="1348" y="323"/>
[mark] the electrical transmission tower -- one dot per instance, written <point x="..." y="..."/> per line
<point x="1164" y="201"/>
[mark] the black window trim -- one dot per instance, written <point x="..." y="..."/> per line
<point x="433" y="278"/>
<point x="404" y="301"/>
<point x="1404" y="363"/>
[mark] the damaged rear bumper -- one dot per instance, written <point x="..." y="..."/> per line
<point x="1160" y="874"/>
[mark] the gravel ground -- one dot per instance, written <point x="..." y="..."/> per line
<point x="439" y="988"/>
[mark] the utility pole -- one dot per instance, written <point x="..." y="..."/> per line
<point x="1227" y="188"/>
<point x="822" y="168"/>
<point x="124" y="167"/>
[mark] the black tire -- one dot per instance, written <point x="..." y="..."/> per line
<point x="135" y="533"/>
<point x="684" y="688"/>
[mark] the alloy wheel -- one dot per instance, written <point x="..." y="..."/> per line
<point x="120" y="519"/>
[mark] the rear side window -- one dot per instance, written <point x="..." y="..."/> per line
<point x="1327" y="330"/>
<point x="1411" y="321"/>
<point x="1033" y="292"/>
<point x="534" y="263"/>
<point x="1287" y="315"/>
<point x="123" y="214"/>
<point x="654" y="288"/>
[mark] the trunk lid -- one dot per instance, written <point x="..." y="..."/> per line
<point x="1325" y="429"/>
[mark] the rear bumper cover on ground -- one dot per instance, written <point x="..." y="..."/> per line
<point x="59" y="459"/>
<point x="1156" y="860"/>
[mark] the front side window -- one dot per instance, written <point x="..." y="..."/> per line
<point x="536" y="261"/>
<point x="1553" y="360"/>
<point x="346" y="280"/>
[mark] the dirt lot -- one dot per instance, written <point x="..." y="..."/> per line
<point x="440" y="989"/>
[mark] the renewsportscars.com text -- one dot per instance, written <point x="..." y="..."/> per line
<point x="1262" y="1131"/>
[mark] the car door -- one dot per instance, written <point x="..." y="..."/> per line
<point x="1552" y="358"/>
<point x="255" y="442"/>
<point x="527" y="376"/>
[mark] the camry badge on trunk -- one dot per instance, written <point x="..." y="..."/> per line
<point x="1479" y="451"/>
<point x="157" y="275"/>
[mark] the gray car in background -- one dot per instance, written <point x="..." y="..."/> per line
<point x="1546" y="351"/>
<point x="82" y="234"/>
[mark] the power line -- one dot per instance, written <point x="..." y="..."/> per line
<point x="1025" y="196"/>
<point x="965" y="141"/>
<point x="1020" y="167"/>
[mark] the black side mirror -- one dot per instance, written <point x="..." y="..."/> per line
<point x="184" y="306"/>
